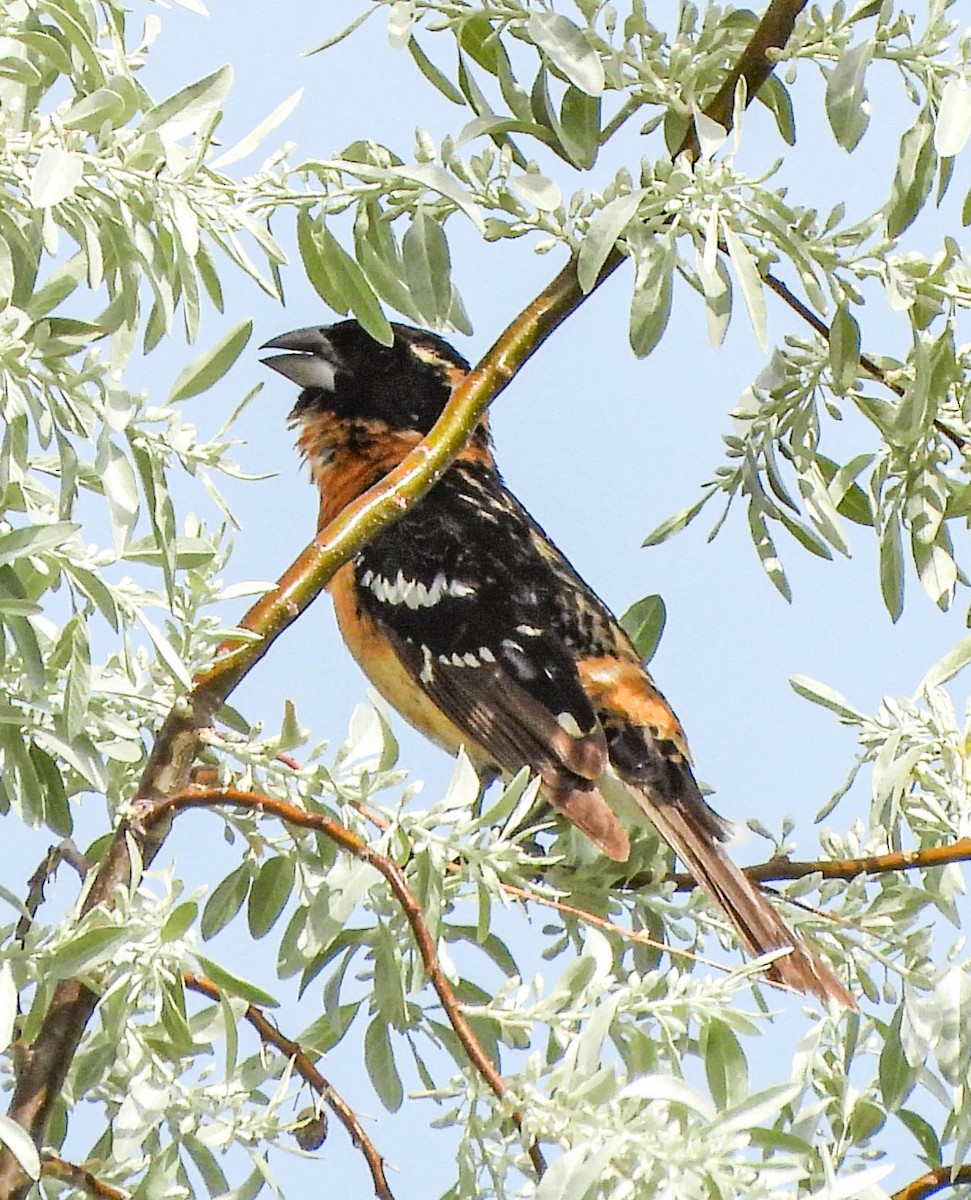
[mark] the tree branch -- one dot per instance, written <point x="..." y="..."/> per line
<point x="844" y="868"/>
<point x="933" y="1181"/>
<point x="309" y="1072"/>
<point x="79" y="1177"/>
<point x="209" y="797"/>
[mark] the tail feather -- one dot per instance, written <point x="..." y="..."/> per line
<point x="759" y="926"/>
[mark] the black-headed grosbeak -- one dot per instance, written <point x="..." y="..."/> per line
<point x="473" y="625"/>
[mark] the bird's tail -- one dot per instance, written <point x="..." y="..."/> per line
<point x="686" y="826"/>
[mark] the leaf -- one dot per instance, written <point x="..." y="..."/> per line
<point x="568" y="50"/>
<point x="765" y="548"/>
<point x="56" y="175"/>
<point x="436" y="178"/>
<point x="269" y="893"/>
<point x="226" y="901"/>
<point x="725" y="1065"/>
<point x="650" y="306"/>
<point x="844" y="349"/>
<point x="424" y="252"/>
<point x="956" y="659"/>
<point x="537" y="190"/>
<point x="579" y="127"/>
<point x="914" y="176"/>
<point x="354" y="287"/>
<point x="235" y="984"/>
<point x="379" y="1060"/>
<point x="750" y="281"/>
<point x="846" y="96"/>
<point x="602" y="234"/>
<point x="34" y="539"/>
<point x="344" y="33"/>
<point x="644" y="623"/>
<point x="953" y="126"/>
<point x="210" y="366"/>
<point x="434" y="76"/>
<point x="775" y="96"/>
<point x="827" y="697"/>
<point x="8" y="1005"/>
<point x="189" y="109"/>
<point x="246" y="145"/>
<point x="18" y="1142"/>
<point x="672" y="525"/>
<point x="120" y="491"/>
<point x="892" y="567"/>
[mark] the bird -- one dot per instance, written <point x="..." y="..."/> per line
<point x="477" y="629"/>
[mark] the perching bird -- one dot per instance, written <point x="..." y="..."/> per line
<point x="473" y="625"/>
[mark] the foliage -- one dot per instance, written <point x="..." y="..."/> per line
<point x="120" y="223"/>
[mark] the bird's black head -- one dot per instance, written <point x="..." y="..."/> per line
<point x="343" y="370"/>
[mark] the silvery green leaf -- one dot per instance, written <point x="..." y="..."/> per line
<point x="602" y="234"/>
<point x="947" y="667"/>
<point x="436" y="178"/>
<point x="674" y="524"/>
<point x="210" y="366"/>
<point x="189" y="109"/>
<point x="847" y="105"/>
<point x="537" y="190"/>
<point x="18" y="1142"/>
<point x="750" y="282"/>
<point x="56" y="176"/>
<point x="246" y="145"/>
<point x="644" y="623"/>
<point x="892" y="567"/>
<point x="8" y="1005"/>
<point x="953" y="124"/>
<point x="821" y="693"/>
<point x="567" y="48"/>
<point x="916" y="162"/>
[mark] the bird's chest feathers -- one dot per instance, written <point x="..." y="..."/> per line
<point x="346" y="458"/>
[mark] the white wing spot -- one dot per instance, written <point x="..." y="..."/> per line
<point x="486" y="654"/>
<point x="529" y="630"/>
<point x="413" y="592"/>
<point x="427" y="673"/>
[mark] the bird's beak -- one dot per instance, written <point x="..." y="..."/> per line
<point x="312" y="361"/>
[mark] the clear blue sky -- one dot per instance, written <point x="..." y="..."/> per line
<point x="624" y="444"/>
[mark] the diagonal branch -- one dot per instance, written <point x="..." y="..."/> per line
<point x="933" y="1181"/>
<point x="80" y="1178"/>
<point x="308" y="1071"/>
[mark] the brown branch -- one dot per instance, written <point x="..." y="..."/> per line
<point x="756" y="64"/>
<point x="65" y="851"/>
<point x="170" y="806"/>
<point x="933" y="1181"/>
<point x="79" y="1177"/>
<point x="170" y="762"/>
<point x="308" y="1071"/>
<point x="845" y="868"/>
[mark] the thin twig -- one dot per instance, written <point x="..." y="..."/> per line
<point x="311" y="1075"/>
<point x="79" y="1177"/>
<point x="205" y="797"/>
<point x="65" y="851"/>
